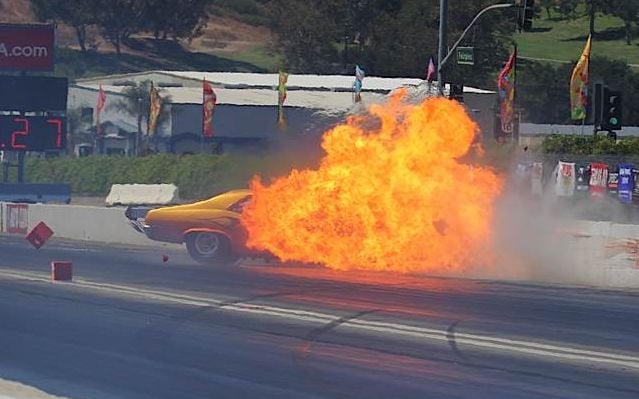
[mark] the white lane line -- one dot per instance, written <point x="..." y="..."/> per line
<point x="442" y="335"/>
<point x="532" y="348"/>
<point x="491" y="340"/>
<point x="119" y="289"/>
<point x="483" y="341"/>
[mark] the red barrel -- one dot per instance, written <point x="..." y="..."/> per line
<point x="61" y="270"/>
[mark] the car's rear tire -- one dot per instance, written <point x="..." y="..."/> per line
<point x="210" y="248"/>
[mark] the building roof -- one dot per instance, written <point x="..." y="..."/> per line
<point x="267" y="81"/>
<point x="327" y="101"/>
<point x="326" y="94"/>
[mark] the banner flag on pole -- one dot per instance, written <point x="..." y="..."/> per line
<point x="506" y="90"/>
<point x="155" y="104"/>
<point x="431" y="72"/>
<point x="209" y="100"/>
<point x="281" y="97"/>
<point x="98" y="108"/>
<point x="358" y="83"/>
<point x="579" y="84"/>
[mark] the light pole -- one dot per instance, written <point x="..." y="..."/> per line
<point x="138" y="135"/>
<point x="443" y="27"/>
<point x="443" y="16"/>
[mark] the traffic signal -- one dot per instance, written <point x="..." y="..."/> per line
<point x="526" y="15"/>
<point x="456" y="93"/>
<point x="611" y="110"/>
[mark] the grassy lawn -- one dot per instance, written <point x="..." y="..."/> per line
<point x="563" y="40"/>
<point x="260" y="57"/>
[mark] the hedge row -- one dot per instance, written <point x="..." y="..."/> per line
<point x="590" y="145"/>
<point x="197" y="176"/>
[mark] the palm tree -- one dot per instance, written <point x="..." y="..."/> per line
<point x="137" y="103"/>
<point x="75" y="123"/>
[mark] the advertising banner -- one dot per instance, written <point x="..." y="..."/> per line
<point x="26" y="47"/>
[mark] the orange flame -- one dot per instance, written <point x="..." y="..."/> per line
<point x="394" y="197"/>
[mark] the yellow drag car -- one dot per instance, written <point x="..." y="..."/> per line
<point x="210" y="229"/>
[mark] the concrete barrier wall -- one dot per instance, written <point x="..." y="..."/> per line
<point x="604" y="254"/>
<point x="592" y="253"/>
<point x="142" y="194"/>
<point x="85" y="223"/>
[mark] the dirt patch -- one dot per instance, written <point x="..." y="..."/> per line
<point x="16" y="11"/>
<point x="229" y="35"/>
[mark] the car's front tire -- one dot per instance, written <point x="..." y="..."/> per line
<point x="210" y="248"/>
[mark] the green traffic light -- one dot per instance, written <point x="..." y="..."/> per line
<point x="614" y="121"/>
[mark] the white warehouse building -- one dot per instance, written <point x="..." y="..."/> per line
<point x="246" y="110"/>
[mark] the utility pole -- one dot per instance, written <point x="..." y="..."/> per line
<point x="593" y="10"/>
<point x="443" y="28"/>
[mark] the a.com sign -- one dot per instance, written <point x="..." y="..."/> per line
<point x="26" y="47"/>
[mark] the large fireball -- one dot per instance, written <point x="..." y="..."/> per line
<point x="393" y="196"/>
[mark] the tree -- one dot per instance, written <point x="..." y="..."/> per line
<point x="75" y="124"/>
<point x="543" y="89"/>
<point x="547" y="5"/>
<point x="179" y="19"/>
<point x="118" y="19"/>
<point x="568" y="8"/>
<point x="627" y="10"/>
<point x="76" y="13"/>
<point x="307" y="33"/>
<point x="543" y="92"/>
<point x="386" y="37"/>
<point x="401" y="38"/>
<point x="137" y="104"/>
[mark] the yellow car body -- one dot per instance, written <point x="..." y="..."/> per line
<point x="211" y="229"/>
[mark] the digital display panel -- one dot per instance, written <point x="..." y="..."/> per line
<point x="32" y="133"/>
<point x="33" y="93"/>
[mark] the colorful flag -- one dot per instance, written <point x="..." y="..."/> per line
<point x="598" y="179"/>
<point x="358" y="83"/>
<point x="579" y="84"/>
<point x="209" y="100"/>
<point x="635" y="185"/>
<point x="613" y="181"/>
<point x="431" y="73"/>
<point x="626" y="183"/>
<point x="565" y="179"/>
<point x="537" y="178"/>
<point x="583" y="179"/>
<point x="281" y="97"/>
<point x="506" y="89"/>
<point x="155" y="104"/>
<point x="98" y="108"/>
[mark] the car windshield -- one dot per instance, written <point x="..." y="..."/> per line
<point x="239" y="206"/>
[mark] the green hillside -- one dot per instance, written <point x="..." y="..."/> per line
<point x="557" y="40"/>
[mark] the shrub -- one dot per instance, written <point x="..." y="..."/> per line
<point x="196" y="176"/>
<point x="589" y="145"/>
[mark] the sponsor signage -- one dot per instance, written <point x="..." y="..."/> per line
<point x="17" y="218"/>
<point x="26" y="47"/>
